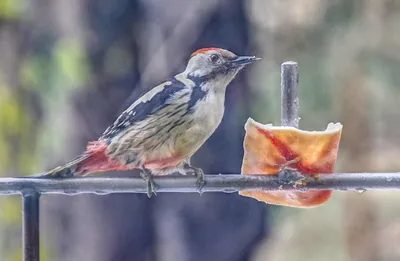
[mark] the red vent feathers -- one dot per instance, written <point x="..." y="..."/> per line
<point x="203" y="50"/>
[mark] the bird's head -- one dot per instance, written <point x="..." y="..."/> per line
<point x="216" y="66"/>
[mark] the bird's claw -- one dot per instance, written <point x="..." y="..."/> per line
<point x="200" y="179"/>
<point x="151" y="187"/>
<point x="199" y="174"/>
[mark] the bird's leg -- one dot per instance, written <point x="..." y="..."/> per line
<point x="289" y="175"/>
<point x="197" y="172"/>
<point x="151" y="188"/>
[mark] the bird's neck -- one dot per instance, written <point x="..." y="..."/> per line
<point x="216" y="85"/>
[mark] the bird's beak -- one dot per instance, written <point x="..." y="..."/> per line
<point x="244" y="60"/>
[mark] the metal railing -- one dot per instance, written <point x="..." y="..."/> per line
<point x="31" y="189"/>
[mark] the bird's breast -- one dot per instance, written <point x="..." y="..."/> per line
<point x="209" y="111"/>
<point x="205" y="117"/>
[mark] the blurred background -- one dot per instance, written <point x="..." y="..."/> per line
<point x="68" y="68"/>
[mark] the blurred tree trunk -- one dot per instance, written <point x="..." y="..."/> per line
<point x="169" y="226"/>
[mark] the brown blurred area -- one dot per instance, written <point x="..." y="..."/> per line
<point x="68" y="67"/>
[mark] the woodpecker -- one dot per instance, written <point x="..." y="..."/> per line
<point x="160" y="131"/>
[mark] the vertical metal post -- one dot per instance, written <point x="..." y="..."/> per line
<point x="30" y="230"/>
<point x="289" y="94"/>
<point x="289" y="111"/>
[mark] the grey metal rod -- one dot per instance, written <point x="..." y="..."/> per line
<point x="214" y="183"/>
<point x="30" y="231"/>
<point x="289" y="94"/>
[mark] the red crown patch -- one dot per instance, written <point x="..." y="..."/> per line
<point x="203" y="50"/>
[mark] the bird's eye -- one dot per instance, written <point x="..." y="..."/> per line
<point x="214" y="58"/>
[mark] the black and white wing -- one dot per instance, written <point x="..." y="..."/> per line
<point x="149" y="104"/>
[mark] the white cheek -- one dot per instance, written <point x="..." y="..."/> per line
<point x="198" y="72"/>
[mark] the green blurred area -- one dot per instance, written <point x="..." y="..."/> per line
<point x="349" y="56"/>
<point x="25" y="137"/>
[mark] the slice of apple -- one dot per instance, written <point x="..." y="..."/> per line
<point x="267" y="148"/>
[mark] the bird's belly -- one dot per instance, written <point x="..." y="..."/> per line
<point x="181" y="144"/>
<point x="195" y="136"/>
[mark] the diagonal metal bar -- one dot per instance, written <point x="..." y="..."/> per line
<point x="214" y="183"/>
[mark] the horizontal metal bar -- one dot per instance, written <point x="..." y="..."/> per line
<point x="213" y="183"/>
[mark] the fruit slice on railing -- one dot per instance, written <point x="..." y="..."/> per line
<point x="268" y="148"/>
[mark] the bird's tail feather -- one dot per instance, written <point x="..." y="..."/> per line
<point x="94" y="159"/>
<point x="70" y="169"/>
